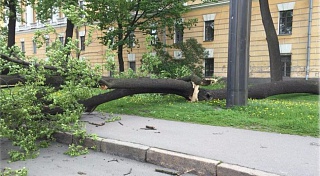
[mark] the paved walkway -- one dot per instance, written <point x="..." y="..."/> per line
<point x="270" y="152"/>
<point x="52" y="162"/>
<point x="189" y="148"/>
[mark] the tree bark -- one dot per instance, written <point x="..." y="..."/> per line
<point x="120" y="48"/>
<point x="69" y="32"/>
<point x="11" y="28"/>
<point x="12" y="23"/>
<point x="272" y="40"/>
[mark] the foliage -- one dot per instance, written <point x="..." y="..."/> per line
<point x="118" y="19"/>
<point x="10" y="172"/>
<point x="193" y="54"/>
<point x="290" y="114"/>
<point x="76" y="150"/>
<point x="163" y="65"/>
<point x="113" y="118"/>
<point x="23" y="109"/>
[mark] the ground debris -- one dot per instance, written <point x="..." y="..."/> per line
<point x="81" y="173"/>
<point x="128" y="172"/>
<point x="149" y="128"/>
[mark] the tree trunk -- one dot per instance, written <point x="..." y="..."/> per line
<point x="185" y="88"/>
<point x="69" y="35"/>
<point x="272" y="40"/>
<point x="12" y="23"/>
<point x="120" y="58"/>
<point x="126" y="87"/>
<point x="120" y="49"/>
<point x="69" y="31"/>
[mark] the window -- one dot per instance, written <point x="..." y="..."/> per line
<point x="81" y="5"/>
<point x="208" y="67"/>
<point x="286" y="65"/>
<point x="132" y="65"/>
<point x="23" y="49"/>
<point x="154" y="37"/>
<point x="34" y="46"/>
<point x="47" y="43"/>
<point x="178" y="33"/>
<point x="131" y="39"/>
<point x="82" y="43"/>
<point x="209" y="30"/>
<point x="61" y="39"/>
<point x="285" y="22"/>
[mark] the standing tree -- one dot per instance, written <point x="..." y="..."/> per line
<point x="46" y="8"/>
<point x="272" y="40"/>
<point x="118" y="19"/>
<point x="12" y="8"/>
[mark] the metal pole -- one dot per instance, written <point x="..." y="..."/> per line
<point x="238" y="52"/>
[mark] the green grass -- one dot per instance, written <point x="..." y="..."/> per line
<point x="291" y="113"/>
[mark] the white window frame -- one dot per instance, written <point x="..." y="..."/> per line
<point x="283" y="7"/>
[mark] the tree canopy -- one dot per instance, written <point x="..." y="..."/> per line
<point x="118" y="19"/>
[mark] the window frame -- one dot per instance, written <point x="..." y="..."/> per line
<point x="61" y="39"/>
<point x="82" y="43"/>
<point x="178" y="33"/>
<point x="134" y="65"/>
<point x="286" y="62"/>
<point x="284" y="25"/>
<point x="131" y="39"/>
<point x="206" y="26"/>
<point x="154" y="37"/>
<point x="34" y="47"/>
<point x="23" y="47"/>
<point x="211" y="67"/>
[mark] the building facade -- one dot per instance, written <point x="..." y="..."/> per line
<point x="297" y="24"/>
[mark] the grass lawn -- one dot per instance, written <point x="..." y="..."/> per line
<point x="287" y="113"/>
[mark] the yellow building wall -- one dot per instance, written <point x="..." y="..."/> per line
<point x="259" y="57"/>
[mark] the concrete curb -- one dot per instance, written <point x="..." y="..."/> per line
<point x="181" y="162"/>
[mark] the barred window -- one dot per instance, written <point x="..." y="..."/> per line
<point x="209" y="30"/>
<point x="285" y="22"/>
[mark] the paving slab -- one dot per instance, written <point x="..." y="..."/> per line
<point x="280" y="154"/>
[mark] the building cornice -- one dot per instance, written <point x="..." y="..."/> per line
<point x="209" y="4"/>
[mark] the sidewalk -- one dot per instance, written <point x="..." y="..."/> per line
<point x="226" y="148"/>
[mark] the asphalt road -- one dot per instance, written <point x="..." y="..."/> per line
<point x="52" y="162"/>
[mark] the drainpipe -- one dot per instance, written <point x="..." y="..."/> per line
<point x="309" y="39"/>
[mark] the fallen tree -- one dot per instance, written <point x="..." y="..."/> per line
<point x="187" y="87"/>
<point x="53" y="98"/>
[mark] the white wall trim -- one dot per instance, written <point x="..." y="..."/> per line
<point x="286" y="6"/>
<point x="209" y="17"/>
<point x="210" y="52"/>
<point x="285" y="48"/>
<point x="82" y="33"/>
<point x="131" y="57"/>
